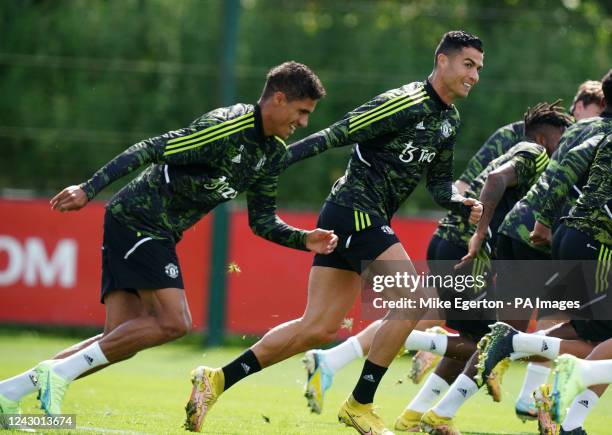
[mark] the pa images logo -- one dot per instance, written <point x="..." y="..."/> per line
<point x="172" y="270"/>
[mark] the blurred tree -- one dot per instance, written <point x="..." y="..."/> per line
<point x="83" y="79"/>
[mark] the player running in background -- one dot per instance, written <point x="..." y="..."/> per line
<point x="585" y="234"/>
<point x="503" y="183"/>
<point x="400" y="135"/>
<point x="587" y="103"/>
<point x="187" y="173"/>
<point x="518" y="223"/>
<point x="450" y="244"/>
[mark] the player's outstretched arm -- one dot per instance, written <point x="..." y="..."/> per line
<point x="264" y="222"/>
<point x="444" y="192"/>
<point x="361" y="124"/>
<point x="177" y="147"/>
<point x="492" y="192"/>
<point x="131" y="159"/>
<point x="72" y="198"/>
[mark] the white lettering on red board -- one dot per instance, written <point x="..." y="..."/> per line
<point x="30" y="262"/>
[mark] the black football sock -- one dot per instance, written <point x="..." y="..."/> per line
<point x="368" y="382"/>
<point x="243" y="366"/>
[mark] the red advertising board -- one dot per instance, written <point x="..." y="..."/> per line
<point x="50" y="265"/>
<point x="272" y="285"/>
<point x="50" y="268"/>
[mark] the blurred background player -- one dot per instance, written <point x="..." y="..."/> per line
<point x="585" y="234"/>
<point x="520" y="221"/>
<point x="449" y="245"/>
<point x="587" y="103"/>
<point x="503" y="185"/>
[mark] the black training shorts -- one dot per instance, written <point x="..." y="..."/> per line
<point x="584" y="268"/>
<point x="593" y="330"/>
<point x="132" y="261"/>
<point x="362" y="237"/>
<point x="442" y="255"/>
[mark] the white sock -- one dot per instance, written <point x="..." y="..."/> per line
<point x="429" y="393"/>
<point x="596" y="372"/>
<point x="78" y="363"/>
<point x="428" y="341"/>
<point x="536" y="376"/>
<point x="18" y="386"/>
<point x="535" y="344"/>
<point x="579" y="409"/>
<point x="339" y="356"/>
<point x="462" y="389"/>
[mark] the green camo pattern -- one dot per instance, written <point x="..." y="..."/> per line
<point x="592" y="212"/>
<point x="529" y="160"/>
<point x="398" y="136"/>
<point x="192" y="170"/>
<point x="497" y="144"/>
<point x="519" y="222"/>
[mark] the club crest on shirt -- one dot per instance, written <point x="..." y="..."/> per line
<point x="172" y="270"/>
<point x="446" y="129"/>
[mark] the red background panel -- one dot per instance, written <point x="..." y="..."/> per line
<point x="272" y="286"/>
<point x="270" y="289"/>
<point x="79" y="304"/>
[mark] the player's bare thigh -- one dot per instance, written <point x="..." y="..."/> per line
<point x="121" y="306"/>
<point x="390" y="262"/>
<point x="331" y="293"/>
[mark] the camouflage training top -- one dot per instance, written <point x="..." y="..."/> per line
<point x="191" y="170"/>
<point x="497" y="144"/>
<point x="572" y="173"/>
<point x="398" y="135"/>
<point x="592" y="213"/>
<point x="521" y="219"/>
<point x="529" y="160"/>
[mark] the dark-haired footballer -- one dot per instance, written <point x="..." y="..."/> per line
<point x="187" y="173"/>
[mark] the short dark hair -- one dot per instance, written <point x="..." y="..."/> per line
<point x="456" y="40"/>
<point x="606" y="86"/>
<point x="546" y="114"/>
<point x="295" y="80"/>
<point x="589" y="92"/>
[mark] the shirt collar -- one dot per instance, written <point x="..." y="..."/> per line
<point x="259" y="132"/>
<point x="435" y="97"/>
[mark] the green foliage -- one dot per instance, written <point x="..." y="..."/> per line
<point x="83" y="79"/>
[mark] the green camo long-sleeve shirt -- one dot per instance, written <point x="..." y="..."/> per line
<point x="398" y="136"/>
<point x="592" y="213"/>
<point x="529" y="160"/>
<point x="519" y="222"/>
<point x="497" y="144"/>
<point x="190" y="171"/>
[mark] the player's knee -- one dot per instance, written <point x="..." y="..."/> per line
<point x="175" y="328"/>
<point x="318" y="336"/>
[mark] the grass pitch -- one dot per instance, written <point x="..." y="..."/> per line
<point x="147" y="394"/>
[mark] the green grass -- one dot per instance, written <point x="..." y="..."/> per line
<point x="147" y="393"/>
